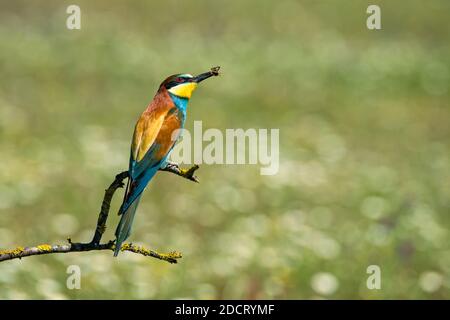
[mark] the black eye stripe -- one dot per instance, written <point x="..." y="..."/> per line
<point x="172" y="84"/>
<point x="176" y="81"/>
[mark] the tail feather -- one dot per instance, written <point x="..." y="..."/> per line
<point x="127" y="210"/>
<point x="124" y="228"/>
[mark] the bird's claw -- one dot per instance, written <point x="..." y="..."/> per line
<point x="189" y="173"/>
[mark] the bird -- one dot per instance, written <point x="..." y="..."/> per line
<point x="155" y="134"/>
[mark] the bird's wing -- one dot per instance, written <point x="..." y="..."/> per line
<point x="143" y="144"/>
<point x="152" y="141"/>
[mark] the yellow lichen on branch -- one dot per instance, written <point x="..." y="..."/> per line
<point x="169" y="257"/>
<point x="44" y="247"/>
<point x="13" y="252"/>
<point x="21" y="252"/>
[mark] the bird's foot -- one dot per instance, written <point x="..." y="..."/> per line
<point x="185" y="173"/>
<point x="189" y="173"/>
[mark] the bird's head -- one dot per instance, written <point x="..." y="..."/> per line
<point x="182" y="85"/>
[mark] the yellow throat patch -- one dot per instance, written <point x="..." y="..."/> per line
<point x="183" y="90"/>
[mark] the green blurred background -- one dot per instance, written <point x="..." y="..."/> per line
<point x="364" y="147"/>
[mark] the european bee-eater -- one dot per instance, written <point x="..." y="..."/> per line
<point x="154" y="137"/>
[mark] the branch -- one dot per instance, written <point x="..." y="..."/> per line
<point x="185" y="173"/>
<point x="21" y="252"/>
<point x="171" y="257"/>
<point x="106" y="204"/>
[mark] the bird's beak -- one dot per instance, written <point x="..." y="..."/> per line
<point x="214" y="72"/>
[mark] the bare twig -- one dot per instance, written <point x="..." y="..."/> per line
<point x="171" y="257"/>
<point x="104" y="211"/>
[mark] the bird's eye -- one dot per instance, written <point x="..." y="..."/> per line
<point x="179" y="79"/>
